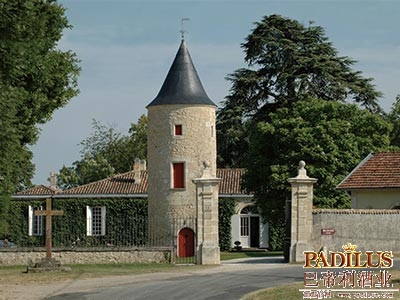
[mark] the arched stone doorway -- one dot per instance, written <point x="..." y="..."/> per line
<point x="248" y="227"/>
<point x="186" y="242"/>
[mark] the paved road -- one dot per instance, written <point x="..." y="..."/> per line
<point x="232" y="280"/>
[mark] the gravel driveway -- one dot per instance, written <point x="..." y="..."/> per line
<point x="50" y="290"/>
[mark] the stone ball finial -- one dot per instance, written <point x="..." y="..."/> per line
<point x="206" y="164"/>
<point x="302" y="175"/>
<point x="302" y="171"/>
<point x="206" y="169"/>
<point x="302" y="164"/>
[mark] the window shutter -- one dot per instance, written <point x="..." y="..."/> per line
<point x="103" y="220"/>
<point x="235" y="228"/>
<point x="179" y="175"/>
<point x="30" y="220"/>
<point x="88" y="221"/>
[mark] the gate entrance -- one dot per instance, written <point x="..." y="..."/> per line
<point x="186" y="242"/>
<point x="250" y="227"/>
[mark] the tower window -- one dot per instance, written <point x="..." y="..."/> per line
<point x="178" y="129"/>
<point x="178" y="175"/>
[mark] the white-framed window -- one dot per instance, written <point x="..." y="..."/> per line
<point x="246" y="214"/>
<point x="244" y="226"/>
<point x="95" y="220"/>
<point x="35" y="223"/>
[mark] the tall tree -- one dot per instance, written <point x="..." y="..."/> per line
<point x="287" y="62"/>
<point x="106" y="152"/>
<point x="331" y="137"/>
<point x="86" y="170"/>
<point x="394" y="117"/>
<point x="36" y="78"/>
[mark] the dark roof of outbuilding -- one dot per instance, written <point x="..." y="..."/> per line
<point x="377" y="171"/>
<point x="182" y="84"/>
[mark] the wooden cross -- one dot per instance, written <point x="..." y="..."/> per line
<point x="48" y="213"/>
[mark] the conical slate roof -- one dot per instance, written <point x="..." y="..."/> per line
<point x="182" y="84"/>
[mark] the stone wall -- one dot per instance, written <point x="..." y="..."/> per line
<point x="330" y="229"/>
<point x="19" y="256"/>
<point x="369" y="229"/>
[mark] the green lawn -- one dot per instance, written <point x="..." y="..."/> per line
<point x="245" y="254"/>
<point x="18" y="275"/>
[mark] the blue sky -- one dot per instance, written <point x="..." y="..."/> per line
<point x="126" y="48"/>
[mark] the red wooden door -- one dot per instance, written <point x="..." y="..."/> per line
<point x="186" y="242"/>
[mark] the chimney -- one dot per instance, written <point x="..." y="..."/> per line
<point x="138" y="166"/>
<point x="53" y="181"/>
<point x="143" y="165"/>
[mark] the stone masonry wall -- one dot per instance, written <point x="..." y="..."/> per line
<point x="196" y="145"/>
<point x="17" y="256"/>
<point x="369" y="229"/>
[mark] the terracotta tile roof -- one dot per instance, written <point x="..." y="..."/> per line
<point x="231" y="180"/>
<point x="377" y="171"/>
<point x="39" y="190"/>
<point x="124" y="185"/>
<point x="358" y="211"/>
<point x="121" y="184"/>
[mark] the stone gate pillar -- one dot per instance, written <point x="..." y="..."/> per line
<point x="301" y="214"/>
<point x="207" y="219"/>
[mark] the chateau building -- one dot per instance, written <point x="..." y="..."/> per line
<point x="180" y="179"/>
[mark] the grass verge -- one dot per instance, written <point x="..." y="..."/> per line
<point x="245" y="254"/>
<point x="18" y="275"/>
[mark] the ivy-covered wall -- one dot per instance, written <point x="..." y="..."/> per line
<point x="18" y="223"/>
<point x="226" y="208"/>
<point x="126" y="223"/>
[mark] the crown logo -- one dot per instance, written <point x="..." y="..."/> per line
<point x="349" y="247"/>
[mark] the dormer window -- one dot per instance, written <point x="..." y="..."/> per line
<point x="178" y="129"/>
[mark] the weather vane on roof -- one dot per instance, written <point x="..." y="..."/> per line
<point x="182" y="31"/>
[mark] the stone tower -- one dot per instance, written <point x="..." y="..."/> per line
<point x="181" y="148"/>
